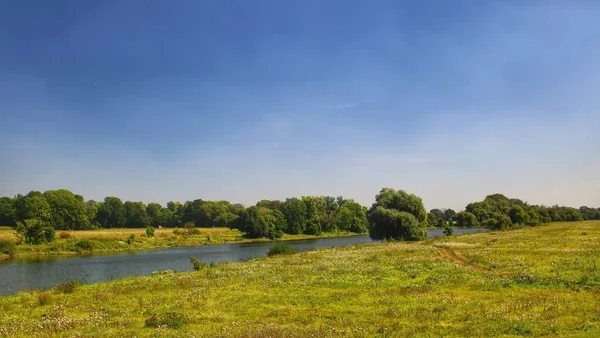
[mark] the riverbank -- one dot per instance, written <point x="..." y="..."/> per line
<point x="69" y="243"/>
<point x="541" y="281"/>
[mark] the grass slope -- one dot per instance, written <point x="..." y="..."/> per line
<point x="542" y="281"/>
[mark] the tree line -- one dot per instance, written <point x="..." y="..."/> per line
<point x="37" y="215"/>
<point x="497" y="211"/>
<point x="394" y="215"/>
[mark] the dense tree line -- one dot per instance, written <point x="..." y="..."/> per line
<point x="41" y="213"/>
<point x="394" y="215"/>
<point x="497" y="211"/>
<point x="306" y="215"/>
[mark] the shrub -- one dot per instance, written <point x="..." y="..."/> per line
<point x="84" y="245"/>
<point x="190" y="231"/>
<point x="189" y="228"/>
<point x="65" y="235"/>
<point x="7" y="247"/>
<point x="44" y="298"/>
<point x="131" y="239"/>
<point x="67" y="287"/>
<point x="150" y="232"/>
<point x="198" y="265"/>
<point x="448" y="231"/>
<point x="35" y="231"/>
<point x="171" y="320"/>
<point x="281" y="249"/>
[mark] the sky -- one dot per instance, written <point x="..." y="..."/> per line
<point x="246" y="100"/>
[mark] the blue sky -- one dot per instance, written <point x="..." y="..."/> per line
<point x="244" y="100"/>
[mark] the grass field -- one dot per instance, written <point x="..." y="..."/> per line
<point x="118" y="240"/>
<point x="542" y="281"/>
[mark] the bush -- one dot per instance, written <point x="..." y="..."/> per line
<point x="67" y="287"/>
<point x="131" y="239"/>
<point x="448" y="231"/>
<point x="150" y="232"/>
<point x="281" y="249"/>
<point x="198" y="265"/>
<point x="8" y="247"/>
<point x="65" y="235"/>
<point x="171" y="320"/>
<point x="190" y="231"/>
<point x="84" y="245"/>
<point x="189" y="228"/>
<point x="44" y="298"/>
<point x="35" y="231"/>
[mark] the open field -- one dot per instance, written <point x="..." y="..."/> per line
<point x="118" y="240"/>
<point x="542" y="281"/>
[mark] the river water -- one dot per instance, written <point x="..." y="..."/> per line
<point x="47" y="271"/>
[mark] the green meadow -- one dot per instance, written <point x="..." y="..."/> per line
<point x="534" y="281"/>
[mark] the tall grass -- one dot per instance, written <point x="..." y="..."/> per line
<point x="541" y="281"/>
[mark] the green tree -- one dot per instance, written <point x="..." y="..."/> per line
<point x="518" y="215"/>
<point x="433" y="220"/>
<point x="312" y="219"/>
<point x="497" y="221"/>
<point x="111" y="213"/>
<point x="448" y="214"/>
<point x="7" y="212"/>
<point x="466" y="219"/>
<point x="68" y="211"/>
<point x="294" y="211"/>
<point x="260" y="222"/>
<point x="154" y="212"/>
<point x="35" y="231"/>
<point x="136" y="215"/>
<point x="33" y="206"/>
<point x="352" y="217"/>
<point x="397" y="215"/>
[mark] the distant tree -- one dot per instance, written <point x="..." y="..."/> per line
<point x="294" y="211"/>
<point x="518" y="215"/>
<point x="92" y="212"/>
<point x="448" y="214"/>
<point x="465" y="219"/>
<point x="33" y="206"/>
<point x="111" y="213"/>
<point x="397" y="215"/>
<point x="224" y="219"/>
<point x="589" y="213"/>
<point x="154" y="212"/>
<point x="68" y="211"/>
<point x="313" y="221"/>
<point x="173" y="206"/>
<point x="439" y="218"/>
<point x="136" y="215"/>
<point x="7" y="212"/>
<point x="433" y="220"/>
<point x="352" y="217"/>
<point x="497" y="221"/>
<point x="260" y="222"/>
<point x="273" y="205"/>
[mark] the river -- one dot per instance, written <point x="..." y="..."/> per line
<point x="47" y="271"/>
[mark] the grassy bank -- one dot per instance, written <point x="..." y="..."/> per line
<point x="121" y="240"/>
<point x="542" y="281"/>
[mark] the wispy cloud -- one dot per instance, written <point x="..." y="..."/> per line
<point x="347" y="105"/>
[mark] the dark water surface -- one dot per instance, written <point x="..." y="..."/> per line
<point x="47" y="271"/>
